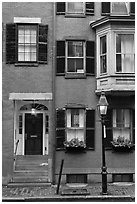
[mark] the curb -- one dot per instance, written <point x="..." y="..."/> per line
<point x="69" y="198"/>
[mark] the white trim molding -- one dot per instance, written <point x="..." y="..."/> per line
<point x="27" y="20"/>
<point x="30" y="96"/>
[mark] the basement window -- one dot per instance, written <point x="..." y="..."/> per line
<point x="76" y="178"/>
<point x="122" y="177"/>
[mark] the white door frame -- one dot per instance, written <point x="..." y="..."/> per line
<point x="44" y="131"/>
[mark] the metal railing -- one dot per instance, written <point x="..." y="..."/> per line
<point x="15" y="153"/>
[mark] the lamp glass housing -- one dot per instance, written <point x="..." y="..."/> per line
<point x="103" y="104"/>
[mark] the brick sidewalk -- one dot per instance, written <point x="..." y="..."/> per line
<point x="125" y="189"/>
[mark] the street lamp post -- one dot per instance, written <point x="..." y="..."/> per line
<point x="102" y="106"/>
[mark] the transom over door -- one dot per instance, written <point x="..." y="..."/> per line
<point x="33" y="134"/>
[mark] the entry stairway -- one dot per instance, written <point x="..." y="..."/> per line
<point x="30" y="170"/>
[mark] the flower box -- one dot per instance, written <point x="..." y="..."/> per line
<point x="122" y="145"/>
<point x="75" y="145"/>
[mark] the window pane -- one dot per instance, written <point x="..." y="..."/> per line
<point x="27" y="38"/>
<point x="21" y="39"/>
<point x="120" y="8"/>
<point x="74" y="118"/>
<point x="21" y="56"/>
<point x="75" y="7"/>
<point x="79" y="65"/>
<point x="33" y="39"/>
<point x="75" y="49"/>
<point x="118" y="63"/>
<point x="33" y="56"/>
<point x="103" y="48"/>
<point x="21" y="48"/>
<point x="71" y="65"/>
<point x="71" y="49"/>
<point x="27" y="56"/>
<point x="103" y="64"/>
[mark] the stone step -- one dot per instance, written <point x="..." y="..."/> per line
<point x="32" y="179"/>
<point x="28" y="174"/>
<point x="20" y="184"/>
<point x="31" y="167"/>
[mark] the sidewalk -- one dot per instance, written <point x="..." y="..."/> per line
<point x="116" y="191"/>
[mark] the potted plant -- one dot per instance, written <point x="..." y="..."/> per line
<point x="122" y="145"/>
<point x="75" y="145"/>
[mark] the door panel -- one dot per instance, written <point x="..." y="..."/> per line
<point x="33" y="134"/>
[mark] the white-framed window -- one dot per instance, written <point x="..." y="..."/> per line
<point x="75" y="124"/>
<point x="27" y="43"/>
<point x="122" y="123"/>
<point x="125" y="53"/>
<point x="103" y="54"/>
<point x="75" y="7"/>
<point x="120" y="8"/>
<point x="75" y="56"/>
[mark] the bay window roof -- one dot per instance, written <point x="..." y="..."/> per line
<point x="113" y="19"/>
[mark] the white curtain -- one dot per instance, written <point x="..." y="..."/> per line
<point x="127" y="51"/>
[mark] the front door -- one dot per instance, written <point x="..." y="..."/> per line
<point x="33" y="134"/>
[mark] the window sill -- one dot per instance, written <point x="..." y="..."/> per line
<point x="75" y="15"/>
<point x="75" y="76"/>
<point x="26" y="64"/>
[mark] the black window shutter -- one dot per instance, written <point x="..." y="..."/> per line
<point x="11" y="43"/>
<point x="90" y="128"/>
<point x="60" y="8"/>
<point x="133" y="125"/>
<point x="42" y="43"/>
<point x="109" y="128"/>
<point x="89" y="8"/>
<point x="105" y="8"/>
<point x="132" y="8"/>
<point x="90" y="57"/>
<point x="60" y="69"/>
<point x="60" y="128"/>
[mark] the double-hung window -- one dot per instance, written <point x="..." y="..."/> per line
<point x="75" y="56"/>
<point x="103" y="54"/>
<point x="27" y="43"/>
<point x="125" y="53"/>
<point x="75" y="8"/>
<point x="75" y="124"/>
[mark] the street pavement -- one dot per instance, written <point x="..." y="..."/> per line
<point x="116" y="192"/>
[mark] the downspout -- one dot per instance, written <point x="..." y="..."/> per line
<point x="53" y="91"/>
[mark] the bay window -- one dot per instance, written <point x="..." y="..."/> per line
<point x="125" y="53"/>
<point x="103" y="55"/>
<point x="75" y="56"/>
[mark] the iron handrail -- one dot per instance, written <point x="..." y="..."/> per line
<point x="16" y="148"/>
<point x="15" y="154"/>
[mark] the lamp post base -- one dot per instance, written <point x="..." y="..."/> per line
<point x="104" y="180"/>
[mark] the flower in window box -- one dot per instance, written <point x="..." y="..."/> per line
<point x="122" y="144"/>
<point x="75" y="142"/>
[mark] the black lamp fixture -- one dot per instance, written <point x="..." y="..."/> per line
<point x="102" y="108"/>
